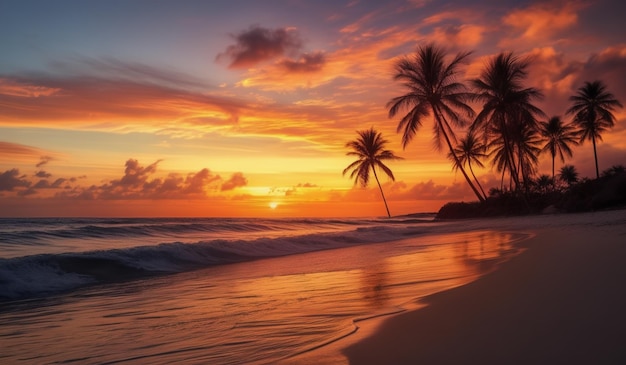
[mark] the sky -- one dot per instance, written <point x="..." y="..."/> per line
<point x="242" y="108"/>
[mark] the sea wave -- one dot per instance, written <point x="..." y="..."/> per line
<point x="19" y="231"/>
<point x="46" y="274"/>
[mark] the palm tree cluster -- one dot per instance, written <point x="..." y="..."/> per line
<point x="509" y="129"/>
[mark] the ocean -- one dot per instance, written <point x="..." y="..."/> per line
<point x="220" y="291"/>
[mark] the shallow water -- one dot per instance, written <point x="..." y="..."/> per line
<point x="250" y="312"/>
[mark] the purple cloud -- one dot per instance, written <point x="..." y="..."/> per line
<point x="258" y="44"/>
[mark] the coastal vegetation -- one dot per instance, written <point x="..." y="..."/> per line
<point x="508" y="131"/>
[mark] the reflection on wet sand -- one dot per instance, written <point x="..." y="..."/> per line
<point x="260" y="311"/>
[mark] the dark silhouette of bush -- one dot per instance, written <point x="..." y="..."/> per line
<point x="607" y="192"/>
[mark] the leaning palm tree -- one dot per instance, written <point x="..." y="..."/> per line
<point x="593" y="110"/>
<point x="469" y="150"/>
<point x="369" y="147"/>
<point x="558" y="137"/>
<point x="432" y="88"/>
<point x="507" y="108"/>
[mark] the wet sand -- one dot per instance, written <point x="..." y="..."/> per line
<point x="562" y="301"/>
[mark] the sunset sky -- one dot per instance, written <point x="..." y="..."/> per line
<point x="243" y="108"/>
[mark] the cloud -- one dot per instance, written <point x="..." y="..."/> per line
<point x="308" y="62"/>
<point x="236" y="180"/>
<point x="11" y="179"/>
<point x="135" y="175"/>
<point x="466" y="35"/>
<point x="539" y="22"/>
<point x="18" y="88"/>
<point x="258" y="44"/>
<point x="306" y="185"/>
<point x="44" y="160"/>
<point x="608" y="65"/>
<point x="114" y="69"/>
<point x="108" y="103"/>
<point x="16" y="149"/>
<point x="137" y="182"/>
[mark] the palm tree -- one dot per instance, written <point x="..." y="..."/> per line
<point x="544" y="183"/>
<point x="369" y="147"/>
<point x="592" y="109"/>
<point x="568" y="174"/>
<point x="614" y="171"/>
<point x="508" y="110"/>
<point x="469" y="150"/>
<point x="558" y="137"/>
<point x="526" y="143"/>
<point x="433" y="88"/>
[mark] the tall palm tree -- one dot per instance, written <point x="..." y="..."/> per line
<point x="593" y="110"/>
<point x="469" y="150"/>
<point x="508" y="110"/>
<point x="369" y="147"/>
<point x="432" y="88"/>
<point x="558" y="137"/>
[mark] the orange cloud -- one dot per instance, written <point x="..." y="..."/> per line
<point x="539" y="22"/>
<point x="90" y="101"/>
<point x="466" y="35"/>
<point x="235" y="181"/>
<point x="13" y="150"/>
<point x="12" y="87"/>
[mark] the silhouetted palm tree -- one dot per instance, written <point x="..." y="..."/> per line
<point x="592" y="109"/>
<point x="614" y="171"/>
<point x="508" y="111"/>
<point x="369" y="147"/>
<point x="433" y="88"/>
<point x="544" y="183"/>
<point x="558" y="137"/>
<point x="568" y="174"/>
<point x="469" y="150"/>
<point x="527" y="141"/>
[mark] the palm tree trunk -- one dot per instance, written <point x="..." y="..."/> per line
<point x="381" y="192"/>
<point x="513" y="172"/>
<point x="552" y="167"/>
<point x="438" y="118"/>
<point x="595" y="156"/>
<point x="475" y="179"/>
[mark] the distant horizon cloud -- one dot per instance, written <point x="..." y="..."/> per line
<point x="235" y="181"/>
<point x="137" y="182"/>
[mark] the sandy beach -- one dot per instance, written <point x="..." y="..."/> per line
<point x="561" y="301"/>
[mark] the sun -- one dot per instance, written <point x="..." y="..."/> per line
<point x="273" y="205"/>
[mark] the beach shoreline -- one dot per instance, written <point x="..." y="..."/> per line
<point x="560" y="301"/>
